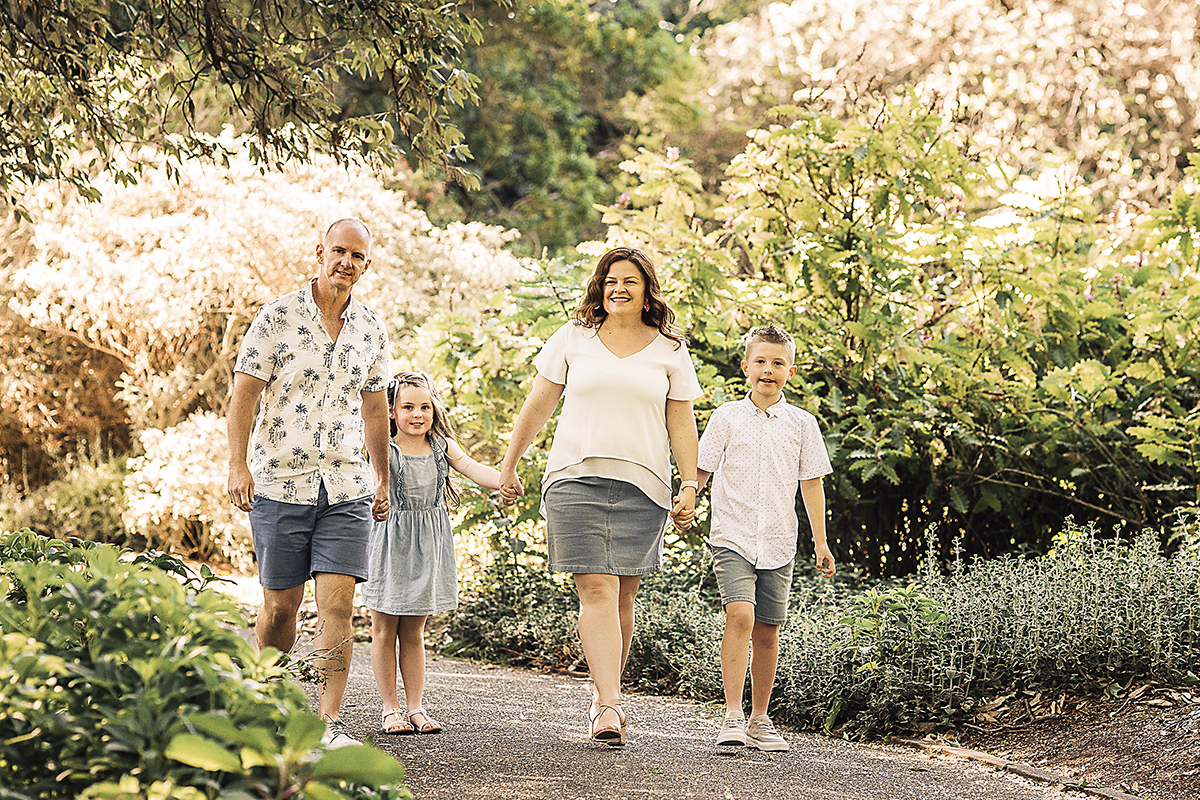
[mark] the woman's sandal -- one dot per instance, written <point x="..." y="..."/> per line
<point x="399" y="725"/>
<point x="611" y="735"/>
<point x="430" y="725"/>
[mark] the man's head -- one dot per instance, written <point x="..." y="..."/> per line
<point x="344" y="255"/>
<point x="770" y="353"/>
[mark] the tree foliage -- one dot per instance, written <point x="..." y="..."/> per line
<point x="82" y="74"/>
<point x="984" y="374"/>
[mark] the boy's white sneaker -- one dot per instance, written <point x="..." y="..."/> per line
<point x="732" y="733"/>
<point x="762" y="734"/>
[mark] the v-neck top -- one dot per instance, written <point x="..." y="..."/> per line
<point x="613" y="422"/>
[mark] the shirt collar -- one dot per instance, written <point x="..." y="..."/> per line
<point x="773" y="410"/>
<point x="314" y="311"/>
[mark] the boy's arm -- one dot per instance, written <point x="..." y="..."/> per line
<point x="702" y="477"/>
<point x="813" y="492"/>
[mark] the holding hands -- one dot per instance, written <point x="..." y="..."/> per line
<point x="510" y="486"/>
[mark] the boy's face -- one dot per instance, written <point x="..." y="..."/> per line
<point x="768" y="366"/>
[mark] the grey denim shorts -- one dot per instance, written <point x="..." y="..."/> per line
<point x="768" y="589"/>
<point x="602" y="526"/>
<point x="293" y="542"/>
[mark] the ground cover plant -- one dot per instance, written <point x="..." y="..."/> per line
<point x="868" y="657"/>
<point x="123" y="678"/>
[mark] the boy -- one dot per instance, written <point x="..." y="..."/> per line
<point x="758" y="448"/>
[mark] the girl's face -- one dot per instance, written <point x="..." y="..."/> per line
<point x="413" y="412"/>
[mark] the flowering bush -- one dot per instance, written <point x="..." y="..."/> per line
<point x="179" y="482"/>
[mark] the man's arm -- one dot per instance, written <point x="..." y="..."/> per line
<point x="375" y="433"/>
<point x="240" y="421"/>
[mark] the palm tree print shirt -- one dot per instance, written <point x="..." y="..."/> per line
<point x="309" y="428"/>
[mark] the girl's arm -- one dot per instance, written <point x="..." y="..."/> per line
<point x="535" y="413"/>
<point x="480" y="474"/>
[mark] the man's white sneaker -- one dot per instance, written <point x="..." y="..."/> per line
<point x="335" y="735"/>
<point x="732" y="733"/>
<point x="762" y="734"/>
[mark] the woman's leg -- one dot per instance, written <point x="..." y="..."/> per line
<point x="600" y="633"/>
<point x="411" y="635"/>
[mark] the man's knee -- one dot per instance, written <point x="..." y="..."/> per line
<point x="334" y="596"/>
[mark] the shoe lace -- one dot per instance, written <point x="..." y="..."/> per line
<point x="733" y="722"/>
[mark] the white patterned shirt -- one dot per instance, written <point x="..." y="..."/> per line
<point x="757" y="459"/>
<point x="309" y="428"/>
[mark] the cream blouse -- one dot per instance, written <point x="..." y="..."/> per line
<point x="613" y="422"/>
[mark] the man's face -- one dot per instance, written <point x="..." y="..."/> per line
<point x="344" y="257"/>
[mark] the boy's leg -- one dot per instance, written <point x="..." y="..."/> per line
<point x="763" y="662"/>
<point x="735" y="653"/>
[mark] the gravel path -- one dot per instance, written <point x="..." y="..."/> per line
<point x="511" y="733"/>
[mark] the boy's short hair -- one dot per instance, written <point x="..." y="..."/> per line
<point x="772" y="334"/>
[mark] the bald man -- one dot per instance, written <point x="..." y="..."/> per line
<point x="318" y="358"/>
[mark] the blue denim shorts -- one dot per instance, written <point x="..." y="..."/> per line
<point x="292" y="542"/>
<point x="602" y="526"/>
<point x="767" y="589"/>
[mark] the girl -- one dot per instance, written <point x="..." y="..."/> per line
<point x="411" y="569"/>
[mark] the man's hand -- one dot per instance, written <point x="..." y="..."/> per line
<point x="241" y="486"/>
<point x="510" y="486"/>
<point x="380" y="505"/>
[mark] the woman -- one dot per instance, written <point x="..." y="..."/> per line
<point x="628" y="384"/>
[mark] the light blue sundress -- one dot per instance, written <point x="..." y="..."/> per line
<point x="411" y="553"/>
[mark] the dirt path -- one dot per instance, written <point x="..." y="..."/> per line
<point x="517" y="734"/>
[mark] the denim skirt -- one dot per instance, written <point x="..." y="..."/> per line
<point x="602" y="526"/>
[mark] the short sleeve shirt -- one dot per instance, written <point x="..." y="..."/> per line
<point x="757" y="459"/>
<point x="309" y="427"/>
<point x="613" y="422"/>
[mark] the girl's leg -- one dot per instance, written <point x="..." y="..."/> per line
<point x="763" y="661"/>
<point x="383" y="664"/>
<point x="601" y="634"/>
<point x="735" y="653"/>
<point x="411" y="635"/>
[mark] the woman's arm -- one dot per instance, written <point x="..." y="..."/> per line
<point x="535" y="413"/>
<point x="681" y="431"/>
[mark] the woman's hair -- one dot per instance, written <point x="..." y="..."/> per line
<point x="441" y="421"/>
<point x="590" y="313"/>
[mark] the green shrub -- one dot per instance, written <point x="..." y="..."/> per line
<point x="86" y="504"/>
<point x="120" y="680"/>
<point x="865" y="659"/>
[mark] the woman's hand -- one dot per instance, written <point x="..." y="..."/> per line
<point x="683" y="511"/>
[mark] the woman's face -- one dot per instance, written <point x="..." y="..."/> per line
<point x="624" y="290"/>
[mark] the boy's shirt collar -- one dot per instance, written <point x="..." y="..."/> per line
<point x="773" y="410"/>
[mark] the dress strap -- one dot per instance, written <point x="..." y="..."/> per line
<point x="443" y="465"/>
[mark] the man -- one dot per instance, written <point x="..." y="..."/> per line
<point x="322" y="359"/>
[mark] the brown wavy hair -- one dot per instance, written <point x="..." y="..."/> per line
<point x="439" y="428"/>
<point x="591" y="314"/>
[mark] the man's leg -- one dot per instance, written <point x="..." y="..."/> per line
<point x="276" y="623"/>
<point x="333" y="639"/>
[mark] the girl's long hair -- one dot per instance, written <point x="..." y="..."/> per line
<point x="441" y="421"/>
<point x="591" y="313"/>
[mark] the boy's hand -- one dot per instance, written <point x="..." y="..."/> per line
<point x="825" y="560"/>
